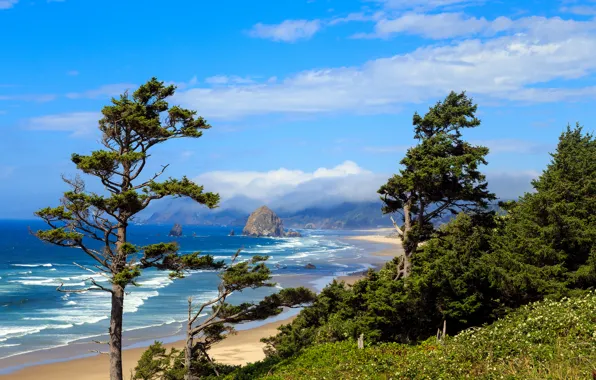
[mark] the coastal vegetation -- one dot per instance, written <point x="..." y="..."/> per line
<point x="525" y="273"/>
<point x="479" y="267"/>
<point x="202" y="333"/>
<point x="97" y="224"/>
<point x="440" y="175"/>
<point x="543" y="340"/>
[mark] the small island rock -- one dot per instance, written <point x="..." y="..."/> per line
<point x="232" y="233"/>
<point x="310" y="266"/>
<point x="176" y="231"/>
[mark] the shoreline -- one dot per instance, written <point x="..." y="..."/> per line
<point x="238" y="349"/>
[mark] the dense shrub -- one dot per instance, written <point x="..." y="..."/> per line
<point x="474" y="269"/>
<point x="545" y="340"/>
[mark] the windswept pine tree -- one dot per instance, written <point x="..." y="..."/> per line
<point x="236" y="277"/>
<point x="130" y="128"/>
<point x="439" y="175"/>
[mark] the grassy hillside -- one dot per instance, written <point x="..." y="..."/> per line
<point x="545" y="340"/>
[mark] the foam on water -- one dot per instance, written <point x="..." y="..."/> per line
<point x="31" y="265"/>
<point x="76" y="316"/>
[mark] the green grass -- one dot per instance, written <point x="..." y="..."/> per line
<point x="545" y="340"/>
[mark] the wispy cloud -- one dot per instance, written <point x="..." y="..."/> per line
<point x="386" y="149"/>
<point x="582" y="10"/>
<point x="505" y="67"/>
<point x="105" y="91"/>
<point x="287" y="31"/>
<point x="72" y="73"/>
<point x="78" y="124"/>
<point x="497" y="146"/>
<point x="40" y="98"/>
<point x="454" y="25"/>
<point x="7" y="4"/>
<point x="225" y="79"/>
<point x="427" y="4"/>
<point x="6" y="171"/>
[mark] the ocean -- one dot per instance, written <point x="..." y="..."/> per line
<point x="34" y="317"/>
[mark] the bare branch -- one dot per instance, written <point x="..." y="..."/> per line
<point x="399" y="231"/>
<point x="100" y="289"/>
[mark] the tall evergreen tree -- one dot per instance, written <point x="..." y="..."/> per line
<point x="439" y="175"/>
<point x="553" y="229"/>
<point x="130" y="128"/>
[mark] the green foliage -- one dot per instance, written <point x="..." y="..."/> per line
<point x="554" y="228"/>
<point x="183" y="187"/>
<point x="130" y="127"/>
<point x="155" y="363"/>
<point x="546" y="340"/>
<point x="439" y="175"/>
<point x="126" y="276"/>
<point x="472" y="270"/>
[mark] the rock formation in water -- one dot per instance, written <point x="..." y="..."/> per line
<point x="176" y="231"/>
<point x="310" y="266"/>
<point x="264" y="223"/>
<point x="232" y="233"/>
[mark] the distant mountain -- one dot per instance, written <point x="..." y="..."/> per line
<point x="347" y="215"/>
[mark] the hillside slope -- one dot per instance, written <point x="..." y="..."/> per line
<point x="545" y="340"/>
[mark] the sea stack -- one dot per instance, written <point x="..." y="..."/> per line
<point x="232" y="233"/>
<point x="265" y="223"/>
<point x="176" y="231"/>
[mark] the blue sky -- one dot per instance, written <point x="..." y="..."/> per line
<point x="302" y="94"/>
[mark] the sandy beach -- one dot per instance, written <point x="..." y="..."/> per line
<point x="241" y="348"/>
<point x="381" y="236"/>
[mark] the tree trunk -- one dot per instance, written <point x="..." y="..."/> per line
<point x="116" y="332"/>
<point x="407" y="244"/>
<point x="189" y="343"/>
<point x="117" y="310"/>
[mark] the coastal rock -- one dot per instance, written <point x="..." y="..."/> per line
<point x="310" y="226"/>
<point x="310" y="266"/>
<point x="232" y="233"/>
<point x="265" y="223"/>
<point x="176" y="231"/>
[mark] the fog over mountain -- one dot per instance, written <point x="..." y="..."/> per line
<point x="344" y="196"/>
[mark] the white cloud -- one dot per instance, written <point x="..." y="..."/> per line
<point x="435" y="26"/>
<point x="582" y="10"/>
<point x="453" y="25"/>
<point x="7" y="4"/>
<point x="72" y="73"/>
<point x="267" y="186"/>
<point x="79" y="124"/>
<point x="287" y="31"/>
<point x="347" y="182"/>
<point x="224" y="79"/>
<point x="505" y="67"/>
<point x="106" y="91"/>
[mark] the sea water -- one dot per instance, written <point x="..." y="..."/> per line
<point x="34" y="316"/>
